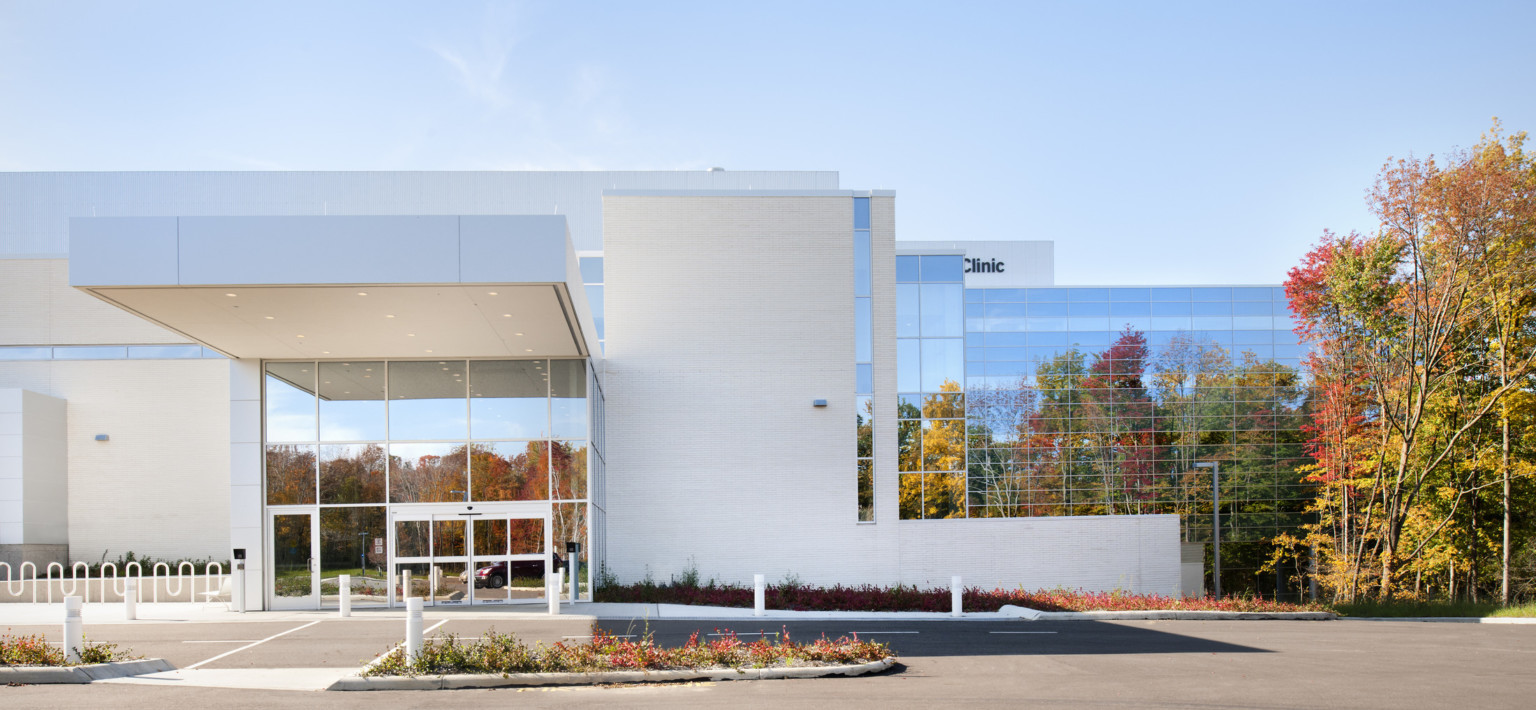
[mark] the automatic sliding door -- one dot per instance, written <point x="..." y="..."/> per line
<point x="490" y="554"/>
<point x="412" y="562"/>
<point x="450" y="559"/>
<point x="528" y="559"/>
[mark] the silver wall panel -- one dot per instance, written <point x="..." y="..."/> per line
<point x="130" y="251"/>
<point x="527" y="249"/>
<point x="318" y="250"/>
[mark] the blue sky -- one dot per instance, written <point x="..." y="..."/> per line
<point x="1153" y="142"/>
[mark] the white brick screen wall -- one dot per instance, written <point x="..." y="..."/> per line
<point x="726" y="316"/>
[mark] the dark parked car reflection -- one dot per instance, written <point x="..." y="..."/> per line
<point x="497" y="574"/>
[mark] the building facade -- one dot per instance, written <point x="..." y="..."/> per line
<point x="447" y="384"/>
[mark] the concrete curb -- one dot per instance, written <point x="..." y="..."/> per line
<point x="451" y="682"/>
<point x="1448" y="619"/>
<point x="39" y="675"/>
<point x="1186" y="616"/>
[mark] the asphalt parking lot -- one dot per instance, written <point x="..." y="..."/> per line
<point x="1193" y="664"/>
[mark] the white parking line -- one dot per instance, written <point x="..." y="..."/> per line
<point x="1022" y="632"/>
<point x="758" y="633"/>
<point x="612" y="636"/>
<point x="228" y="641"/>
<point x="252" y="645"/>
<point x="884" y="632"/>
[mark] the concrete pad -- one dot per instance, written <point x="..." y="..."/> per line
<point x="250" y="678"/>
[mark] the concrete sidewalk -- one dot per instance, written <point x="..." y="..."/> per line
<point x="112" y="613"/>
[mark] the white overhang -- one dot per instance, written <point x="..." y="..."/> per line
<point x="344" y="286"/>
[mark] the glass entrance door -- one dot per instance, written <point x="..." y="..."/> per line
<point x="453" y="559"/>
<point x="295" y="578"/>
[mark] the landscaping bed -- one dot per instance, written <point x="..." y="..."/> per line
<point x="34" y="651"/>
<point x="26" y="660"/>
<point x="506" y="655"/>
<point x="800" y="597"/>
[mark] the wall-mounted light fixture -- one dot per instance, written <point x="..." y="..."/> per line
<point x="819" y="403"/>
<point x="103" y="437"/>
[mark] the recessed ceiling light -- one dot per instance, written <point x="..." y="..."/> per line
<point x="327" y="382"/>
<point x="528" y="350"/>
<point x="347" y="392"/>
<point x="506" y="315"/>
<point x="362" y="293"/>
<point x="345" y="364"/>
<point x="410" y="335"/>
<point x="491" y="292"/>
<point x="231" y="295"/>
<point x="389" y="316"/>
<point x="442" y="362"/>
<point x="269" y="317"/>
<point x="517" y="333"/>
<point x="325" y="352"/>
<point x="429" y="351"/>
<point x="445" y="369"/>
<point x="298" y="336"/>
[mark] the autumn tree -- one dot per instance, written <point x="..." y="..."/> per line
<point x="1420" y="344"/>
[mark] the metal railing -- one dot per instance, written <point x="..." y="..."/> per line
<point x="178" y="587"/>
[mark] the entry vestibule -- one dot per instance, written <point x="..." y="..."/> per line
<point x="446" y="554"/>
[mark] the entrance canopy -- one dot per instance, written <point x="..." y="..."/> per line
<point x="344" y="287"/>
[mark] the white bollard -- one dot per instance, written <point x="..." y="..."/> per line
<point x="552" y="591"/>
<point x="412" y="629"/>
<point x="237" y="586"/>
<point x="74" y="629"/>
<point x="759" y="595"/>
<point x="955" y="590"/>
<point x="130" y="599"/>
<point x="405" y="584"/>
<point x="345" y="583"/>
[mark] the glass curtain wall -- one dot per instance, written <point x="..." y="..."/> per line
<point x="930" y="370"/>
<point x="1095" y="401"/>
<point x="355" y="437"/>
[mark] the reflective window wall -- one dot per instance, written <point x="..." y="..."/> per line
<point x="930" y="370"/>
<point x="1093" y="401"/>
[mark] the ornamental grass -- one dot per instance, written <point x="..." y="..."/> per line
<point x="34" y="651"/>
<point x="800" y="597"/>
<point x="504" y="653"/>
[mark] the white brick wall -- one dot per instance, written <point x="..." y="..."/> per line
<point x="160" y="485"/>
<point x="38" y="307"/>
<point x="726" y="317"/>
